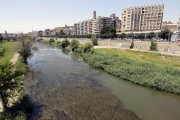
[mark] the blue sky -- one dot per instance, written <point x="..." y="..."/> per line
<point x="28" y="15"/>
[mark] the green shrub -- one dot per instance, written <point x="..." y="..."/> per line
<point x="2" y="52"/>
<point x="74" y="45"/>
<point x="40" y="39"/>
<point x="65" y="43"/>
<point x="132" y="45"/>
<point x="87" y="47"/>
<point x="58" y="43"/>
<point x="153" y="46"/>
<point x="94" y="41"/>
<point x="79" y="49"/>
<point x="51" y="40"/>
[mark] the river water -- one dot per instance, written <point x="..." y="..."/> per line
<point x="63" y="87"/>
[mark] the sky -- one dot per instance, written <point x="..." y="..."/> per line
<point x="26" y="15"/>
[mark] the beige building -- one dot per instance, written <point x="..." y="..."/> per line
<point x="170" y="25"/>
<point x="56" y="30"/>
<point x="142" y="19"/>
<point x="100" y="22"/>
<point x="118" y="26"/>
<point x="179" y="25"/>
<point x="47" y="32"/>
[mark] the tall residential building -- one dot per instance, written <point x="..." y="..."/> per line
<point x="87" y="27"/>
<point x="98" y="23"/>
<point x="56" y="30"/>
<point x="47" y="32"/>
<point x="142" y="19"/>
<point x="170" y="25"/>
<point x="118" y="26"/>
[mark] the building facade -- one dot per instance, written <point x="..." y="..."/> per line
<point x="98" y="23"/>
<point x="170" y="25"/>
<point x="142" y="19"/>
<point x="179" y="25"/>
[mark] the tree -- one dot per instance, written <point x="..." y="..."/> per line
<point x="51" y="40"/>
<point x="1" y="37"/>
<point x="56" y="35"/>
<point x="94" y="41"/>
<point x="25" y="47"/>
<point x="65" y="43"/>
<point x="150" y="35"/>
<point x="141" y="36"/>
<point x="122" y="35"/>
<point x="132" y="45"/>
<point x="165" y="34"/>
<point x="153" y="46"/>
<point x="87" y="47"/>
<point x="6" y="35"/>
<point x="130" y="35"/>
<point x="108" y="32"/>
<point x="11" y="80"/>
<point x="61" y="32"/>
<point x="74" y="45"/>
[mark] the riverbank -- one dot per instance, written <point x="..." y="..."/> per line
<point x="147" y="69"/>
<point x="18" y="103"/>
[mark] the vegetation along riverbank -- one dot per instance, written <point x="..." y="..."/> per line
<point x="15" y="104"/>
<point x="150" y="69"/>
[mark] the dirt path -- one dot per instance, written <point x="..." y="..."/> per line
<point x="14" y="58"/>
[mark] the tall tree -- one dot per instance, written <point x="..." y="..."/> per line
<point x="150" y="35"/>
<point x="94" y="41"/>
<point x="1" y="37"/>
<point x="122" y="35"/>
<point x="25" y="46"/>
<point x="108" y="31"/>
<point x="165" y="34"/>
<point x="6" y="35"/>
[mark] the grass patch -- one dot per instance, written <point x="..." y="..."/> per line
<point x="152" y="57"/>
<point x="142" y="70"/>
<point x="11" y="49"/>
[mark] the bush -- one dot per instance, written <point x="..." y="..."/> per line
<point x="87" y="47"/>
<point x="65" y="43"/>
<point x="51" y="40"/>
<point x="2" y="52"/>
<point x="94" y="41"/>
<point x="74" y="45"/>
<point x="40" y="39"/>
<point x="132" y="45"/>
<point x="153" y="46"/>
<point x="79" y="49"/>
<point x="58" y="43"/>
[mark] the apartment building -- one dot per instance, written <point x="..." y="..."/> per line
<point x="56" y="30"/>
<point x="170" y="25"/>
<point x="87" y="27"/>
<point x="47" y="32"/>
<point x="142" y="19"/>
<point x="98" y="23"/>
<point x="118" y="26"/>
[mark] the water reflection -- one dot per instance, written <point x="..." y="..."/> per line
<point x="62" y="87"/>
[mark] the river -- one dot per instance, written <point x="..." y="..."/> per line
<point x="62" y="86"/>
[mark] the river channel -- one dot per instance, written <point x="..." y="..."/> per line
<point x="63" y="87"/>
